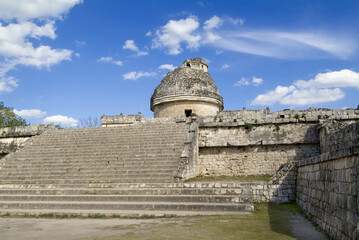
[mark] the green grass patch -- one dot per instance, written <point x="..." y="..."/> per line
<point x="268" y="222"/>
<point x="248" y="126"/>
<point x="250" y="178"/>
<point x="293" y="207"/>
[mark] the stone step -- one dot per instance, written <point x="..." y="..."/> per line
<point x="127" y="198"/>
<point x="63" y="164"/>
<point x="211" y="185"/>
<point x="105" y="170"/>
<point x="243" y="193"/>
<point x="65" y="167"/>
<point x="92" y="176"/>
<point x="88" y="176"/>
<point x="126" y="139"/>
<point x="109" y="146"/>
<point x="104" y="140"/>
<point x="108" y="213"/>
<point x="95" y="154"/>
<point x="147" y="206"/>
<point x="86" y="181"/>
<point x="158" y="149"/>
<point x="110" y="142"/>
<point x="77" y="161"/>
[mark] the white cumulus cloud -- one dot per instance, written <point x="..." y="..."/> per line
<point x="130" y="44"/>
<point x="25" y="20"/>
<point x="246" y="81"/>
<point x="324" y="87"/>
<point x="110" y="60"/>
<point x="167" y="67"/>
<point x="7" y="84"/>
<point x="211" y="37"/>
<point x="209" y="25"/>
<point x="136" y="75"/>
<point x="32" y="9"/>
<point x="225" y="66"/>
<point x="242" y="82"/>
<point x="214" y="22"/>
<point x="62" y="121"/>
<point x="257" y="81"/>
<point x="105" y="59"/>
<point x="172" y="34"/>
<point x="272" y="96"/>
<point x="118" y="63"/>
<point x="16" y="47"/>
<point x="235" y="21"/>
<point x="342" y="78"/>
<point x="310" y="96"/>
<point x="30" y="113"/>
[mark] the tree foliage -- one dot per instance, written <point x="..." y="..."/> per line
<point x="8" y="118"/>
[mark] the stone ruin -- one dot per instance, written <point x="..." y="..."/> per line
<point x="135" y="166"/>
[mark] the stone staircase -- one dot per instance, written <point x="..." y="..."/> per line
<point x="125" y="171"/>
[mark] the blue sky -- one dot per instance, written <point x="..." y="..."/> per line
<point x="63" y="60"/>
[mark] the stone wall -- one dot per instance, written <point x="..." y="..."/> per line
<point x="188" y="165"/>
<point x="328" y="185"/>
<point x="11" y="138"/>
<point x="256" y="142"/>
<point x="265" y="116"/>
<point x="259" y="134"/>
<point x="237" y="150"/>
<point x="250" y="160"/>
<point x="332" y="140"/>
<point x="174" y="108"/>
<point x="135" y="119"/>
<point x="120" y="120"/>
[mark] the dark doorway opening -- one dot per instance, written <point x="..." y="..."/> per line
<point x="188" y="112"/>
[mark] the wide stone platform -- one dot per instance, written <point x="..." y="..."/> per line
<point x="125" y="171"/>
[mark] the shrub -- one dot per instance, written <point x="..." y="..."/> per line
<point x="277" y="127"/>
<point x="248" y="126"/>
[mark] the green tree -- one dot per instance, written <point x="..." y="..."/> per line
<point x="8" y="118"/>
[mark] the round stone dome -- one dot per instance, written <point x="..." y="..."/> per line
<point x="186" y="90"/>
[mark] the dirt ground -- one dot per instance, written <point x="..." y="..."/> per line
<point x="267" y="222"/>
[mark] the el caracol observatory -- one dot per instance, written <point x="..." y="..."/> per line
<point x="187" y="90"/>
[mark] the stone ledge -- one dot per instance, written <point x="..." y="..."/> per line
<point x="285" y="116"/>
<point x="24" y="131"/>
<point x="343" y="152"/>
<point x="268" y="121"/>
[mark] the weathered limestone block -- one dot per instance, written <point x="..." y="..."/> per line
<point x="11" y="138"/>
<point x="120" y="120"/>
<point x="259" y="135"/>
<point x="328" y="185"/>
<point x="251" y="160"/>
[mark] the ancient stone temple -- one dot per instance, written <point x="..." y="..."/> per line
<point x="187" y="90"/>
<point x="135" y="166"/>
